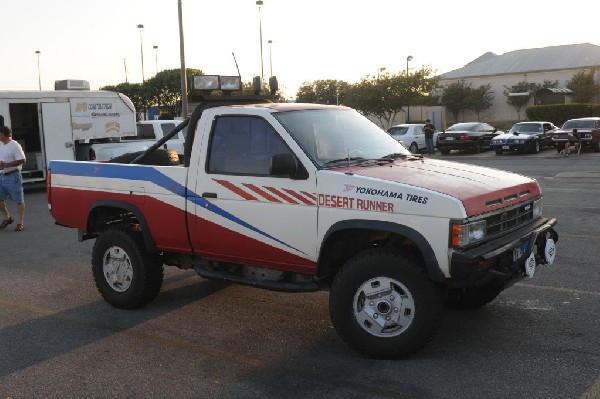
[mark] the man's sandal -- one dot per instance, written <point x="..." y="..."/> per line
<point x="19" y="227"/>
<point x="6" y="223"/>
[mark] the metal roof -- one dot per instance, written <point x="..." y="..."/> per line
<point x="570" y="56"/>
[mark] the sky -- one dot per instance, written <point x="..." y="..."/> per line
<point x="99" y="41"/>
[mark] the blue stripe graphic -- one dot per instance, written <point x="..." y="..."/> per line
<point x="150" y="174"/>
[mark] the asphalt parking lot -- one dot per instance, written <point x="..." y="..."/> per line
<point x="205" y="339"/>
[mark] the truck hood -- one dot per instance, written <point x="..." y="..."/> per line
<point x="480" y="189"/>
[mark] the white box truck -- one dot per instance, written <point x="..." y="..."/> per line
<point x="51" y="125"/>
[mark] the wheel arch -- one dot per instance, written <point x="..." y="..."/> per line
<point x="347" y="238"/>
<point x="108" y="212"/>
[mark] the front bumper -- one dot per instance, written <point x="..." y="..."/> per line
<point x="504" y="258"/>
<point x="510" y="147"/>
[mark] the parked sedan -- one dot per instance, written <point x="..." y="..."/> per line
<point x="584" y="130"/>
<point x="473" y="136"/>
<point x="526" y="137"/>
<point x="410" y="135"/>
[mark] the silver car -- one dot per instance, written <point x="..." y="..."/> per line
<point x="411" y="136"/>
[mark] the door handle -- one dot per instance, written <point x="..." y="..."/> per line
<point x="209" y="195"/>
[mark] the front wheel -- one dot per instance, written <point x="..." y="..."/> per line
<point x="445" y="152"/>
<point x="536" y="147"/>
<point x="498" y="152"/>
<point x="126" y="275"/>
<point x="414" y="148"/>
<point x="383" y="305"/>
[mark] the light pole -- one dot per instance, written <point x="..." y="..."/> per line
<point x="409" y="58"/>
<point x="38" y="53"/>
<point x="271" y="56"/>
<point x="156" y="57"/>
<point x="182" y="71"/>
<point x="259" y="3"/>
<point x="141" y="28"/>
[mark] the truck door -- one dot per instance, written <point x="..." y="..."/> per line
<point x="57" y="133"/>
<point x="245" y="215"/>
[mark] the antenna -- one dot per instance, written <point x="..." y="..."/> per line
<point x="236" y="65"/>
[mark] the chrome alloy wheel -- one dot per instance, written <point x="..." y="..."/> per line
<point x="117" y="269"/>
<point x="383" y="307"/>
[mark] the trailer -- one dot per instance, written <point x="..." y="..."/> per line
<point x="51" y="125"/>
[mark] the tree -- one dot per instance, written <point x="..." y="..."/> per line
<point x="481" y="98"/>
<point x="583" y="86"/>
<point x="457" y="97"/>
<point x="162" y="90"/>
<point x="322" y="92"/>
<point x="384" y="96"/>
<point x="525" y="89"/>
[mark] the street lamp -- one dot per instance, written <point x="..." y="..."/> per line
<point x="409" y="58"/>
<point x="141" y="28"/>
<point x="182" y="70"/>
<point x="38" y="53"/>
<point x="156" y="57"/>
<point x="271" y="56"/>
<point x="259" y="3"/>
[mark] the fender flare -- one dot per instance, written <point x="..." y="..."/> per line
<point x="431" y="264"/>
<point x="148" y="240"/>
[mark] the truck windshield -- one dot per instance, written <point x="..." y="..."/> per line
<point x="332" y="137"/>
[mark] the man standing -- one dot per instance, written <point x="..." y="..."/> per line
<point x="11" y="181"/>
<point x="429" y="130"/>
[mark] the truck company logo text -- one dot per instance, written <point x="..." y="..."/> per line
<point x="386" y="193"/>
<point x="82" y="107"/>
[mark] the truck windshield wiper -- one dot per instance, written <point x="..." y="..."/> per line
<point x="396" y="155"/>
<point x="353" y="160"/>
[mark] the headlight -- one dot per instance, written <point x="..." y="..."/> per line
<point x="537" y="208"/>
<point x="467" y="234"/>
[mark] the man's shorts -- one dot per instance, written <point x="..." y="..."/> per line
<point x="11" y="187"/>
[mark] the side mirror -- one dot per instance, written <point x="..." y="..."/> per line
<point x="288" y="166"/>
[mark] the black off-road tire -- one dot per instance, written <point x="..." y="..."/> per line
<point x="405" y="290"/>
<point x="472" y="298"/>
<point x="158" y="157"/>
<point x="139" y="272"/>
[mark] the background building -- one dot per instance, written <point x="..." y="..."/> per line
<point x="557" y="63"/>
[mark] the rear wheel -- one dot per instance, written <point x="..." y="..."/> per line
<point x="383" y="305"/>
<point x="126" y="275"/>
<point x="477" y="148"/>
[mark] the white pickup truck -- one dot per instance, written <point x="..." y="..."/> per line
<point x="304" y="197"/>
<point x="148" y="132"/>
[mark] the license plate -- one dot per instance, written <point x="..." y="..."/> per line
<point x="520" y="250"/>
<point x="449" y="138"/>
<point x="505" y="147"/>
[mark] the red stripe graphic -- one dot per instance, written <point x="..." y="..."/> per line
<point x="282" y="195"/>
<point x="262" y="193"/>
<point x="309" y="195"/>
<point x="236" y="190"/>
<point x="298" y="196"/>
